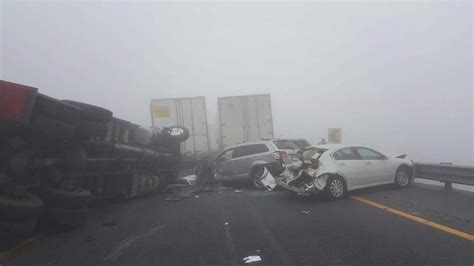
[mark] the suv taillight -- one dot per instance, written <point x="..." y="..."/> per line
<point x="280" y="155"/>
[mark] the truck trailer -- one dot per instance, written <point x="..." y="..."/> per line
<point x="56" y="156"/>
<point x="244" y="119"/>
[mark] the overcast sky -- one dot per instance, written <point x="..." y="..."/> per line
<point x="395" y="76"/>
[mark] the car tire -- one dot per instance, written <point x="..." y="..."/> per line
<point x="92" y="112"/>
<point x="72" y="198"/>
<point x="336" y="188"/>
<point x="176" y="133"/>
<point x="25" y="206"/>
<point x="402" y="177"/>
<point x="52" y="127"/>
<point x="256" y="175"/>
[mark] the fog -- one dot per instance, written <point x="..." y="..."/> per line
<point x="393" y="76"/>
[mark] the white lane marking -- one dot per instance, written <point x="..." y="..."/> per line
<point x="126" y="244"/>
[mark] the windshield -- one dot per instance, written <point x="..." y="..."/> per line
<point x="285" y="145"/>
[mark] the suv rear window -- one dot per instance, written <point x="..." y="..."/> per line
<point x="249" y="150"/>
<point x="285" y="145"/>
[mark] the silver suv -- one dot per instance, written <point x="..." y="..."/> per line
<point x="241" y="161"/>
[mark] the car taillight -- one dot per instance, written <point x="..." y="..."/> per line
<point x="16" y="102"/>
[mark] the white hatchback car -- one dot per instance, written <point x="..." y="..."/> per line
<point x="336" y="169"/>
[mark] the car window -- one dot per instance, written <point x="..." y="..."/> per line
<point x="259" y="148"/>
<point x="285" y="145"/>
<point x="345" y="154"/>
<point x="227" y="155"/>
<point x="368" y="154"/>
<point x="249" y="150"/>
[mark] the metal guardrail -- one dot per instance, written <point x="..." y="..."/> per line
<point x="446" y="173"/>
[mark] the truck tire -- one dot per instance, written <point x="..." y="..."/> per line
<point x="176" y="133"/>
<point x="24" y="206"/>
<point x="92" y="112"/>
<point x="57" y="109"/>
<point x="67" y="217"/>
<point x="52" y="127"/>
<point x="91" y="129"/>
<point x="72" y="198"/>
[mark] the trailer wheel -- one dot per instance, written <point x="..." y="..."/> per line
<point x="176" y="133"/>
<point x="20" y="206"/>
<point x="67" y="217"/>
<point x="71" y="198"/>
<point x="53" y="127"/>
<point x="92" y="112"/>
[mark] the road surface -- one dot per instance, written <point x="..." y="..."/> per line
<point x="224" y="227"/>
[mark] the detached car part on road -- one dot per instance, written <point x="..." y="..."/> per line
<point x="57" y="155"/>
<point x="336" y="169"/>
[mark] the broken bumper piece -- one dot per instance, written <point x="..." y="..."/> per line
<point x="305" y="190"/>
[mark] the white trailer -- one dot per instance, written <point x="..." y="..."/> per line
<point x="244" y="119"/>
<point x="190" y="113"/>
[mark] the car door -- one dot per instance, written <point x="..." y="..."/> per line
<point x="224" y="166"/>
<point x="378" y="167"/>
<point x="351" y="167"/>
<point x="242" y="159"/>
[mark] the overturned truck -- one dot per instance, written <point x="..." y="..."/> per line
<point x="56" y="156"/>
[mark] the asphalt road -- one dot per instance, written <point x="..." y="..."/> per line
<point x="224" y="227"/>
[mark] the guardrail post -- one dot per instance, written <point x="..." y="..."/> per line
<point x="448" y="186"/>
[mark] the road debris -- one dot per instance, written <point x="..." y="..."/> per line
<point x="238" y="190"/>
<point x="196" y="196"/>
<point x="189" y="179"/>
<point x="173" y="198"/>
<point x="251" y="259"/>
<point x="226" y="223"/>
<point x="305" y="212"/>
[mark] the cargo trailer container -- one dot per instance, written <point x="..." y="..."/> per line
<point x="244" y="119"/>
<point x="188" y="112"/>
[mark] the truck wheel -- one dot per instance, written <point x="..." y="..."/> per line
<point x="71" y="198"/>
<point x="57" y="109"/>
<point x="53" y="127"/>
<point x="67" y="217"/>
<point x="176" y="133"/>
<point x="20" y="206"/>
<point x="92" y="112"/>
